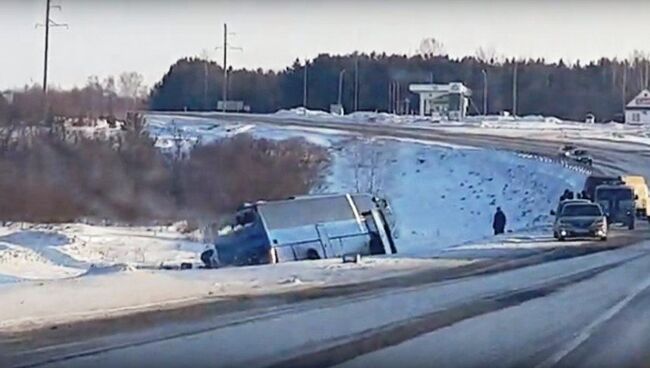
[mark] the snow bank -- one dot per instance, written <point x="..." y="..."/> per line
<point x="38" y="252"/>
<point x="114" y="294"/>
<point x="444" y="197"/>
<point x="442" y="194"/>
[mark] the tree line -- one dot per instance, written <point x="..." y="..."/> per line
<point x="569" y="91"/>
<point x="107" y="98"/>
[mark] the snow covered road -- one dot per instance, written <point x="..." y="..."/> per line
<point x="522" y="299"/>
<point x="511" y="318"/>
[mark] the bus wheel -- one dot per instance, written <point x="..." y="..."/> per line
<point x="312" y="255"/>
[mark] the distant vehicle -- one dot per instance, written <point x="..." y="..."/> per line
<point x="304" y="228"/>
<point x="594" y="181"/>
<point x="580" y="218"/>
<point x="638" y="184"/>
<point x="580" y="156"/>
<point x="618" y="203"/>
<point x="564" y="150"/>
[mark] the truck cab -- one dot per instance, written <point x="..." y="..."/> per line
<point x="617" y="202"/>
<point x="638" y="184"/>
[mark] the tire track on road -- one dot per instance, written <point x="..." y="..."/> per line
<point x="396" y="333"/>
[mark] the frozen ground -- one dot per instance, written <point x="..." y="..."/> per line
<point x="442" y="194"/>
<point x="537" y="125"/>
<point x="107" y="292"/>
<point x="37" y="252"/>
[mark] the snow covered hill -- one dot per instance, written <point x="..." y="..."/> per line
<point x="442" y="195"/>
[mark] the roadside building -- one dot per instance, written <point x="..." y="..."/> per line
<point x="637" y="111"/>
<point x="445" y="101"/>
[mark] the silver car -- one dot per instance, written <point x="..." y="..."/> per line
<point x="580" y="219"/>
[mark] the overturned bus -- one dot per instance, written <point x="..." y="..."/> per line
<point x="302" y="228"/>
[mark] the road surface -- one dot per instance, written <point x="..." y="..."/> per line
<point x="561" y="306"/>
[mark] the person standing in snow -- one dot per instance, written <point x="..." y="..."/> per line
<point x="499" y="223"/>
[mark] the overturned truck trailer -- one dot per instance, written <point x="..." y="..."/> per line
<point x="301" y="228"/>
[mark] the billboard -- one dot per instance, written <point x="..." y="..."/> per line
<point x="231" y="105"/>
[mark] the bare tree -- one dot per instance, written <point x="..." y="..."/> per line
<point x="369" y="172"/>
<point x="109" y="92"/>
<point x="487" y="55"/>
<point x="430" y="47"/>
<point x="131" y="86"/>
<point x="639" y="62"/>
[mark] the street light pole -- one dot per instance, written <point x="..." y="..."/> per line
<point x="356" y="82"/>
<point x="304" y="86"/>
<point x="340" y="85"/>
<point x="224" y="93"/>
<point x="514" y="90"/>
<point x="485" y="91"/>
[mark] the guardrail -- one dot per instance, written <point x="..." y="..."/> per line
<point x="582" y="169"/>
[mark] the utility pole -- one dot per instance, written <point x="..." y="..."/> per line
<point x="397" y="98"/>
<point x="226" y="46"/>
<point x="47" y="46"/>
<point x="485" y="91"/>
<point x="390" y="96"/>
<point x="205" y="84"/>
<point x="624" y="87"/>
<point x="304" y="85"/>
<point x="47" y="24"/>
<point x="514" y="90"/>
<point x="340" y="85"/>
<point x="225" y="66"/>
<point x="356" y="82"/>
<point x="645" y="81"/>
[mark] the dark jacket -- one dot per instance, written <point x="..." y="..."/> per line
<point x="499" y="223"/>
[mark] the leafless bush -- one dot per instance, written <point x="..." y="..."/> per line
<point x="57" y="176"/>
<point x="219" y="177"/>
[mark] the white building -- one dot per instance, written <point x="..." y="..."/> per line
<point x="637" y="111"/>
<point x="443" y="100"/>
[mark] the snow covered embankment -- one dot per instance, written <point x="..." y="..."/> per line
<point x="442" y="196"/>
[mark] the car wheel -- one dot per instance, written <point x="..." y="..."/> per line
<point x="603" y="238"/>
<point x="561" y="238"/>
<point x="555" y="235"/>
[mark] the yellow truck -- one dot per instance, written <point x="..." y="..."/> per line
<point x="642" y="200"/>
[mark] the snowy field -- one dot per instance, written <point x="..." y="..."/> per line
<point x="113" y="291"/>
<point x="530" y="125"/>
<point x="443" y="196"/>
<point x="440" y="195"/>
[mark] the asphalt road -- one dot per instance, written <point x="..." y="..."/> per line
<point x="585" y="305"/>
